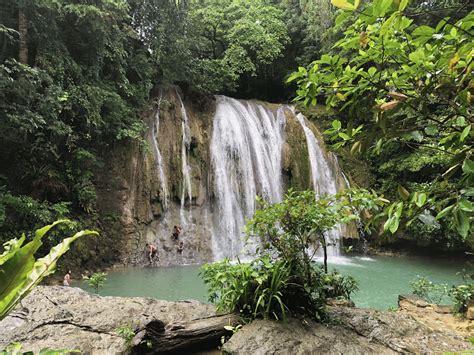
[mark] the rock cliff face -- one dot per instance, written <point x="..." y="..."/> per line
<point x="146" y="190"/>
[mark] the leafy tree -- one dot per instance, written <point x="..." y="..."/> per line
<point x="86" y="79"/>
<point x="283" y="277"/>
<point x="20" y="272"/>
<point x="301" y="220"/>
<point x="211" y="44"/>
<point x="403" y="90"/>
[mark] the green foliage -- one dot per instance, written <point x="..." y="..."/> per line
<point x="395" y="84"/>
<point x="460" y="295"/>
<point x="96" y="280"/>
<point x="127" y="332"/>
<point x="86" y="80"/>
<point x="20" y="272"/>
<point x="254" y="289"/>
<point x="284" y="278"/>
<point x="268" y="288"/>
<point x="214" y="44"/>
<point x="301" y="219"/>
<point x="336" y="285"/>
<point x="19" y="214"/>
<point x="429" y="291"/>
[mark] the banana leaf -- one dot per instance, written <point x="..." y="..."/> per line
<point x="20" y="272"/>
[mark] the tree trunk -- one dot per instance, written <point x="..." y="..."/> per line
<point x="23" y="31"/>
<point x="325" y="250"/>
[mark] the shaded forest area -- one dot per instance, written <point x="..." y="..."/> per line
<point x="75" y="76"/>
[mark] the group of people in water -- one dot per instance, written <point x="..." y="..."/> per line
<point x="152" y="250"/>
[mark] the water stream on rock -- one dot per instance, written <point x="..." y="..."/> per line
<point x="246" y="144"/>
<point x="185" y="167"/>
<point x="324" y="182"/>
<point x="158" y="157"/>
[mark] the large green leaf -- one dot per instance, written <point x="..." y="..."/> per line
<point x="468" y="166"/>
<point x="462" y="223"/>
<point x="10" y="248"/>
<point x="444" y="212"/>
<point x="19" y="273"/>
<point x="346" y="5"/>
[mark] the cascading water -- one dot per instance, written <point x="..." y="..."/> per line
<point x="185" y="167"/>
<point x="246" y="152"/>
<point x="324" y="182"/>
<point x="158" y="157"/>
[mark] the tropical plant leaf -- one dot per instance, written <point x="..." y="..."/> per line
<point x="19" y="273"/>
<point x="345" y="5"/>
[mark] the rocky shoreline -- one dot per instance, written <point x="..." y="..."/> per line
<point x="69" y="318"/>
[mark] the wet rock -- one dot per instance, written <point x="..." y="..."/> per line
<point x="59" y="317"/>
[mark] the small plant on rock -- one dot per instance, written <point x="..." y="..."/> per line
<point x="96" y="280"/>
<point x="127" y="333"/>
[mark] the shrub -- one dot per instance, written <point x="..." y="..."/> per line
<point x="253" y="289"/>
<point x="434" y="293"/>
<point x="269" y="288"/>
<point x="429" y="291"/>
<point x="284" y="277"/>
<point x="96" y="280"/>
<point x="462" y="295"/>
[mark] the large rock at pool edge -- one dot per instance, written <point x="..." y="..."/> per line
<point x="351" y="331"/>
<point x="59" y="317"/>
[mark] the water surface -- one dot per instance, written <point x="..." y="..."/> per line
<point x="381" y="279"/>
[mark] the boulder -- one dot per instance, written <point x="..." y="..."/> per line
<point x="437" y="317"/>
<point x="470" y="313"/>
<point x="58" y="317"/>
<point x="351" y="331"/>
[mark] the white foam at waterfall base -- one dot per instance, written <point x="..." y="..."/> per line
<point x="246" y="148"/>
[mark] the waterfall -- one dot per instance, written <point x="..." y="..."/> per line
<point x="158" y="157"/>
<point x="246" y="153"/>
<point x="324" y="181"/>
<point x="185" y="167"/>
<point x="247" y="141"/>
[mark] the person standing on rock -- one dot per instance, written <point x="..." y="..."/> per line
<point x="176" y="232"/>
<point x="67" y="279"/>
<point x="152" y="252"/>
<point x="180" y="247"/>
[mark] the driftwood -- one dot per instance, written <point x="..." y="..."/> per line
<point x="201" y="333"/>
